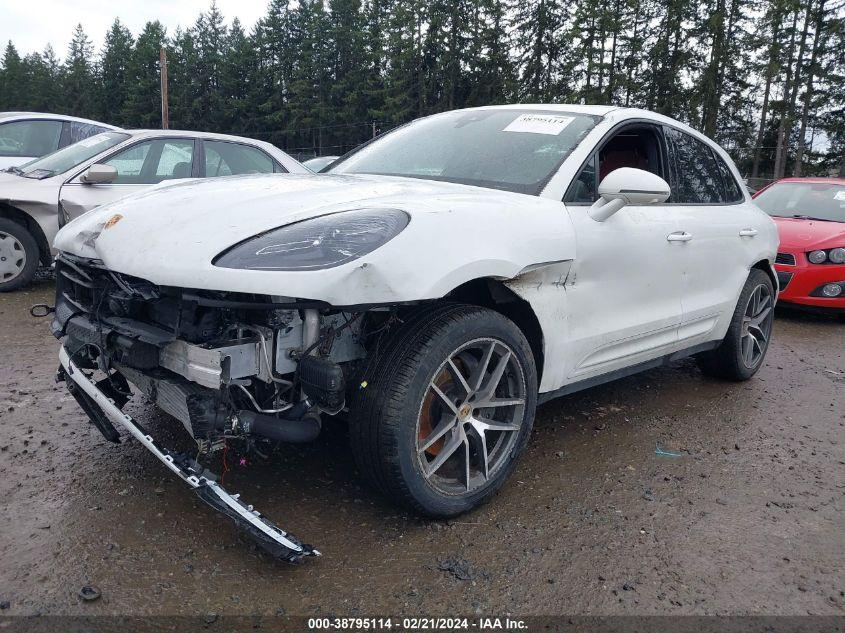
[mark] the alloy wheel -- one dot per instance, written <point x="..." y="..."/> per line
<point x="470" y="416"/>
<point x="756" y="326"/>
<point x="12" y="257"/>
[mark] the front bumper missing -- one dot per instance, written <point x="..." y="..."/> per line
<point x="269" y="536"/>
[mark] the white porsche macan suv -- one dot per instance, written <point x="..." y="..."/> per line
<point x="432" y="288"/>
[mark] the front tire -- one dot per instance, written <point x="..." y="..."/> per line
<point x="741" y="353"/>
<point x="444" y="410"/>
<point x="19" y="256"/>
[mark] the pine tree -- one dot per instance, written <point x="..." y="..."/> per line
<point x="78" y="86"/>
<point x="492" y="76"/>
<point x="117" y="50"/>
<point x="210" y="34"/>
<point x="239" y="84"/>
<point x="276" y="54"/>
<point x="404" y="77"/>
<point x="349" y="70"/>
<point x="537" y="27"/>
<point x="142" y="108"/>
<point x="670" y="57"/>
<point x="11" y="75"/>
<point x="182" y="78"/>
<point x="308" y="99"/>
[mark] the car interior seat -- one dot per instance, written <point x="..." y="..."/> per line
<point x="181" y="170"/>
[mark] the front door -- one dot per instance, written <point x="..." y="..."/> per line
<point x="138" y="167"/>
<point x="624" y="288"/>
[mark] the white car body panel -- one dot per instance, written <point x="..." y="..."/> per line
<point x="608" y="296"/>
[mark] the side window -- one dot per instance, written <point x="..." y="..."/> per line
<point x="176" y="160"/>
<point x="733" y="190"/>
<point x="78" y="131"/>
<point x="151" y="162"/>
<point x="697" y="179"/>
<point x="634" y="146"/>
<point x="130" y="163"/>
<point x="226" y="159"/>
<point x="29" y="138"/>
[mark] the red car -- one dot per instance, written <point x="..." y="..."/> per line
<point x="810" y="264"/>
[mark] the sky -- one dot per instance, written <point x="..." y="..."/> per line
<point x="33" y="24"/>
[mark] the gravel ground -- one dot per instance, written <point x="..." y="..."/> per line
<point x="747" y="520"/>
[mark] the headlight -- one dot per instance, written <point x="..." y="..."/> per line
<point x="817" y="257"/>
<point x="324" y="242"/>
<point x="837" y="255"/>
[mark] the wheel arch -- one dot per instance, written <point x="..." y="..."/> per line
<point x="494" y="295"/>
<point x="28" y="222"/>
<point x="767" y="268"/>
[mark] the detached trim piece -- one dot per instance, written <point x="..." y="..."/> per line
<point x="271" y="537"/>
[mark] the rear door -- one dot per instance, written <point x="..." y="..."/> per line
<point x="712" y="209"/>
<point x="138" y="166"/>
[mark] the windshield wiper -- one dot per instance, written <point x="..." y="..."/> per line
<point x="14" y="169"/>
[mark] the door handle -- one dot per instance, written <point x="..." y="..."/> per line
<point x="679" y="236"/>
<point x="748" y="232"/>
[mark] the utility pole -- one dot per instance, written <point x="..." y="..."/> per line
<point x="165" y="114"/>
<point x="374" y="129"/>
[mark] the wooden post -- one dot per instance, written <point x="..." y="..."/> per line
<point x="165" y="114"/>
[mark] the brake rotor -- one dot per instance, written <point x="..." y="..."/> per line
<point x="432" y="408"/>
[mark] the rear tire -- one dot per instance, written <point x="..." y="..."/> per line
<point x="741" y="353"/>
<point x="411" y="410"/>
<point x="19" y="256"/>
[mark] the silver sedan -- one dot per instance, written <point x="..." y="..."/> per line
<point x="37" y="198"/>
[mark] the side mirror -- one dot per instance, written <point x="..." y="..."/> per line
<point x="628" y="186"/>
<point x="99" y="175"/>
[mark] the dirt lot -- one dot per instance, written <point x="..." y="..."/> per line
<point x="749" y="519"/>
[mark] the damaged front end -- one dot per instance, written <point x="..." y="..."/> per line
<point x="228" y="366"/>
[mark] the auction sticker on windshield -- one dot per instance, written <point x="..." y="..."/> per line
<point x="552" y="124"/>
<point x="90" y="141"/>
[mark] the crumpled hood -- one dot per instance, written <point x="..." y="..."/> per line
<point x="171" y="234"/>
<point x="207" y="216"/>
<point x="802" y="235"/>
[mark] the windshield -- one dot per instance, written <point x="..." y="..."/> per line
<point x="815" y="200"/>
<point x="515" y="150"/>
<point x="69" y="157"/>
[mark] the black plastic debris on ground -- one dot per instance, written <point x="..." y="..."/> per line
<point x="461" y="569"/>
<point x="89" y="593"/>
